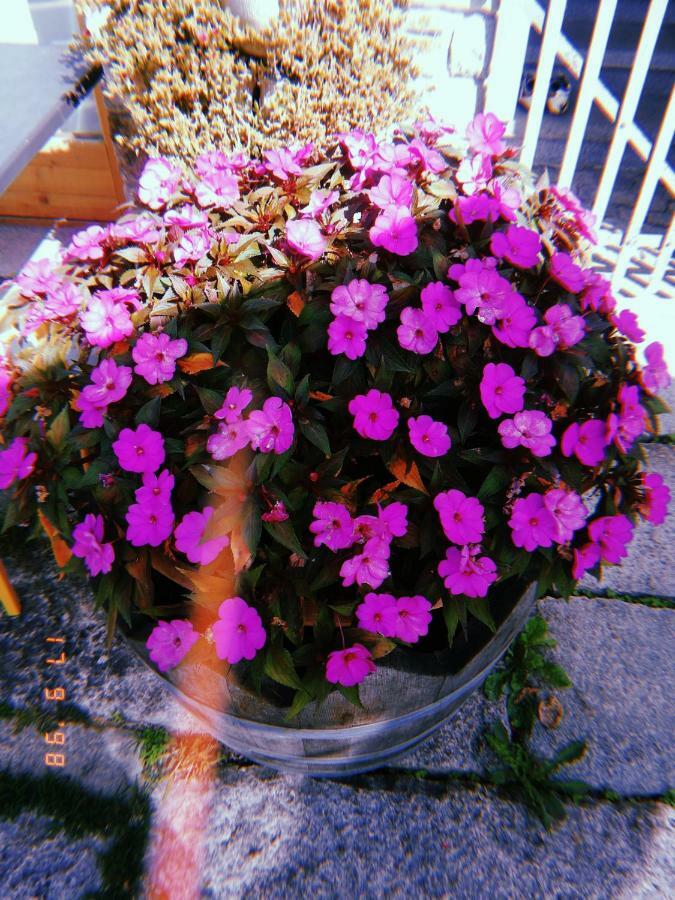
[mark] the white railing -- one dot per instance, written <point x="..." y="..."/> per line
<point x="633" y="250"/>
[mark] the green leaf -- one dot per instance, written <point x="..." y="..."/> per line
<point x="278" y="374"/>
<point x="479" y="608"/>
<point x="451" y="617"/>
<point x="59" y="429"/>
<point x="570" y="753"/>
<point x="284" y="534"/>
<point x="316" y="434"/>
<point x="210" y="400"/>
<point x="466" y="420"/>
<point x="351" y="694"/>
<point x="300" y="701"/>
<point x="279" y="666"/>
<point x="493" y="687"/>
<point x="554" y="675"/>
<point x="148" y="414"/>
<point x="498" y="477"/>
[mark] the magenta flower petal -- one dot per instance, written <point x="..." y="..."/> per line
<point x="428" y="437"/>
<point x="349" y="666"/>
<point x="374" y="415"/>
<point x="170" y="642"/>
<point x="462" y="517"/>
<point x="238" y="632"/>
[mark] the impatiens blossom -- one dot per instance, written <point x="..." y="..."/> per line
<point x="378" y="613"/>
<point x="597" y="293"/>
<point x="159" y="180"/>
<point x="465" y="572"/>
<point x="501" y="390"/>
<point x="236" y="401"/>
<point x="349" y="666"/>
<point x="476" y="208"/>
<point x="392" y="521"/>
<point x="139" y="450"/>
<point x="347" y="336"/>
<point x="306" y="238"/>
<point x="506" y="197"/>
<point x="428" y="437"/>
<point x="586" y="441"/>
<point x="109" y="384"/>
<point x="143" y="229"/>
<point x="485" y="132"/>
<point x="517" y="319"/>
<point x="532" y="525"/>
<point x="5" y="387"/>
<point x="519" y="246"/>
<point x="416" y="331"/>
<point x="462" y="517"/>
<point x="374" y="415"/>
<point x="106" y="318"/>
<point x="392" y="190"/>
<point x="563" y="329"/>
<point x="170" y="642"/>
<point x="627" y="323"/>
<point x="88" y="545"/>
<point x="395" y="230"/>
<point x="88" y="244"/>
<point x="191" y="537"/>
<point x="332" y="525"/>
<point x="149" y="524"/>
<point x="584" y="559"/>
<point x="277" y="513"/>
<point x="217" y="189"/>
<point x="238" y="632"/>
<point x="568" y="510"/>
<point x="474" y="173"/>
<point x="626" y="427"/>
<point x="656" y="498"/>
<point x="359" y="145"/>
<point x="186" y="217"/>
<point x="566" y="272"/>
<point x="155" y="355"/>
<point x="16" y="462"/>
<point x="370" y="567"/>
<point x="287" y="161"/>
<point x="413" y="618"/>
<point x="529" y="428"/>
<point x="423" y="157"/>
<point x="481" y="289"/>
<point x="271" y="428"/>
<point x="319" y="202"/>
<point x="38" y="277"/>
<point x="612" y="534"/>
<point x="230" y="438"/>
<point x="440" y="307"/>
<point x="655" y="376"/>
<point x="156" y="489"/>
<point x="360" y="300"/>
<point x="193" y="246"/>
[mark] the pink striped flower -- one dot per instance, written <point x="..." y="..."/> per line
<point x="218" y="189"/>
<point x="332" y="525"/>
<point x="106" y="318"/>
<point x="392" y="190"/>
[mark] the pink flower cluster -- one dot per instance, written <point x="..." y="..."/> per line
<point x="89" y="545"/>
<point x="107" y="316"/>
<point x="419" y="328"/>
<point x="464" y="570"/>
<point x="358" y="307"/>
<point x="609" y="539"/>
<point x="562" y="330"/>
<point x="502" y="391"/>
<point x="109" y="384"/>
<point x="16" y="462"/>
<point x="540" y="520"/>
<point x="406" y="618"/>
<point x="349" y="666"/>
<point x="269" y="430"/>
<point x="150" y="519"/>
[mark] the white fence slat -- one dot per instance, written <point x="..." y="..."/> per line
<point x="663" y="261"/>
<point x="588" y="91"/>
<point x="508" y="60"/>
<point x="645" y="51"/>
<point x="549" y="47"/>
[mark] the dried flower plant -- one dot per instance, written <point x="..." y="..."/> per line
<point x="195" y="78"/>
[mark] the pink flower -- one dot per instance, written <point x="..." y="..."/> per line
<point x="520" y="246"/>
<point x="465" y="572"/>
<point x="149" y="524"/>
<point x="217" y="189"/>
<point x="612" y="534"/>
<point x="428" y="437"/>
<point x="501" y="390"/>
<point x="562" y="329"/>
<point x="374" y="415"/>
<point x="395" y="230"/>
<point x="88" y="244"/>
<point x="392" y="190"/>
<point x="349" y="666"/>
<point x="482" y="289"/>
<point x="142" y="229"/>
<point x="462" y="517"/>
<point x="532" y="524"/>
<point x="287" y="161"/>
<point x="626" y="427"/>
<point x="319" y="201"/>
<point x="347" y="336"/>
<point x="416" y="331"/>
<point x="59" y="305"/>
<point x="585" y="558"/>
<point x="190" y="538"/>
<point x="597" y="293"/>
<point x="655" y="376"/>
<point x="332" y="525"/>
<point x="359" y="146"/>
<point x="187" y="217"/>
<point x="586" y="441"/>
<point x="568" y="510"/>
<point x="236" y="401"/>
<point x="217" y="161"/>
<point x="425" y="158"/>
<point x="106" y="318"/>
<point x="566" y="272"/>
<point x="109" y="384"/>
<point x="392" y="520"/>
<point x="88" y="545"/>
<point x="159" y="181"/>
<point x="15" y="462"/>
<point x="360" y="300"/>
<point x="516" y="322"/>
<point x="370" y="567"/>
<point x="474" y="173"/>
<point x="38" y="277"/>
<point x="193" y="246"/>
<point x="656" y="498"/>
<point x="378" y="613"/>
<point x="414" y="616"/>
<point x="170" y="642"/>
<point x="156" y="489"/>
<point x="306" y="238"/>
<point x="239" y="632"/>
<point x="440" y="307"/>
<point x="140" y="450"/>
<point x="627" y="323"/>
<point x="506" y="198"/>
<point x="230" y="438"/>
<point x="278" y="513"/>
<point x="529" y="428"/>
<point x="155" y="355"/>
<point x="5" y="387"/>
<point x="476" y="208"/>
<point x="271" y="428"/>
<point x="392" y="159"/>
<point x="582" y="219"/>
<point x="485" y="132"/>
